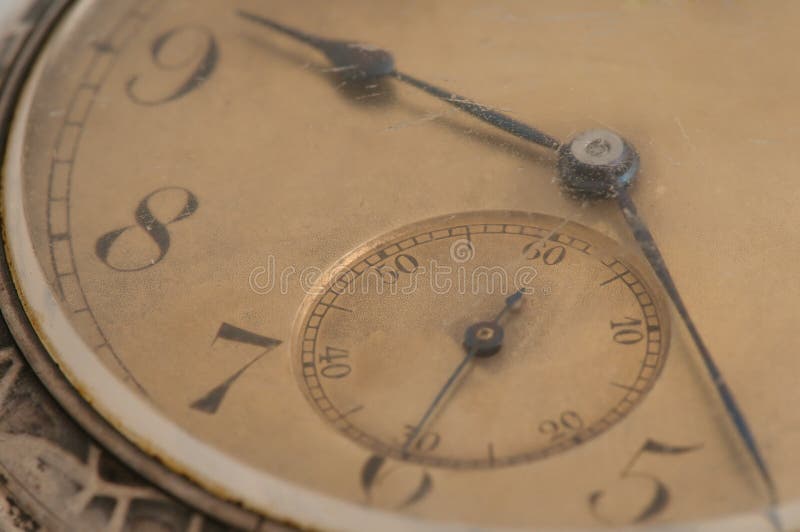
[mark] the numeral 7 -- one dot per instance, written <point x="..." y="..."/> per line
<point x="211" y="401"/>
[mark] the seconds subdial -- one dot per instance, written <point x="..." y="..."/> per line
<point x="579" y="342"/>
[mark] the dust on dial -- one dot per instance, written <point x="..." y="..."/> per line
<point x="159" y="156"/>
<point x="481" y="340"/>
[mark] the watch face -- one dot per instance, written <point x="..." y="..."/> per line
<point x="356" y="286"/>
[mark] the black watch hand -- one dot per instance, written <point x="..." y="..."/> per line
<point x="653" y="254"/>
<point x="601" y="164"/>
<point x="357" y="61"/>
<point x="484" y="338"/>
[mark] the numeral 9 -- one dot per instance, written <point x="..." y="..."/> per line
<point x="177" y="50"/>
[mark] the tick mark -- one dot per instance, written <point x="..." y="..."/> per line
<point x="618" y="276"/>
<point x="357" y="408"/>
<point x="625" y="387"/>
<point x="337" y="307"/>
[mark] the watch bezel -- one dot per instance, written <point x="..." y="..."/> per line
<point x="36" y="354"/>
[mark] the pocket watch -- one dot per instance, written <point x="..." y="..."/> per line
<point x="416" y="266"/>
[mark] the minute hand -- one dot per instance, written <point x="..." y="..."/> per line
<point x="653" y="254"/>
<point x="488" y="115"/>
<point x="356" y="61"/>
<point x="601" y="164"/>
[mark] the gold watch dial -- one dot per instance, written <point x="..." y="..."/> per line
<point x="355" y="287"/>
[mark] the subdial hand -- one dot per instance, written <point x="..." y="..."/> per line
<point x="482" y="339"/>
<point x="357" y="61"/>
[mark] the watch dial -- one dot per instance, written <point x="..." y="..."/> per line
<point x="355" y="286"/>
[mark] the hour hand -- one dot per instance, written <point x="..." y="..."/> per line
<point x="350" y="59"/>
<point x="357" y="61"/>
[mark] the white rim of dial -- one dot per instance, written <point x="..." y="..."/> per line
<point x="154" y="433"/>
